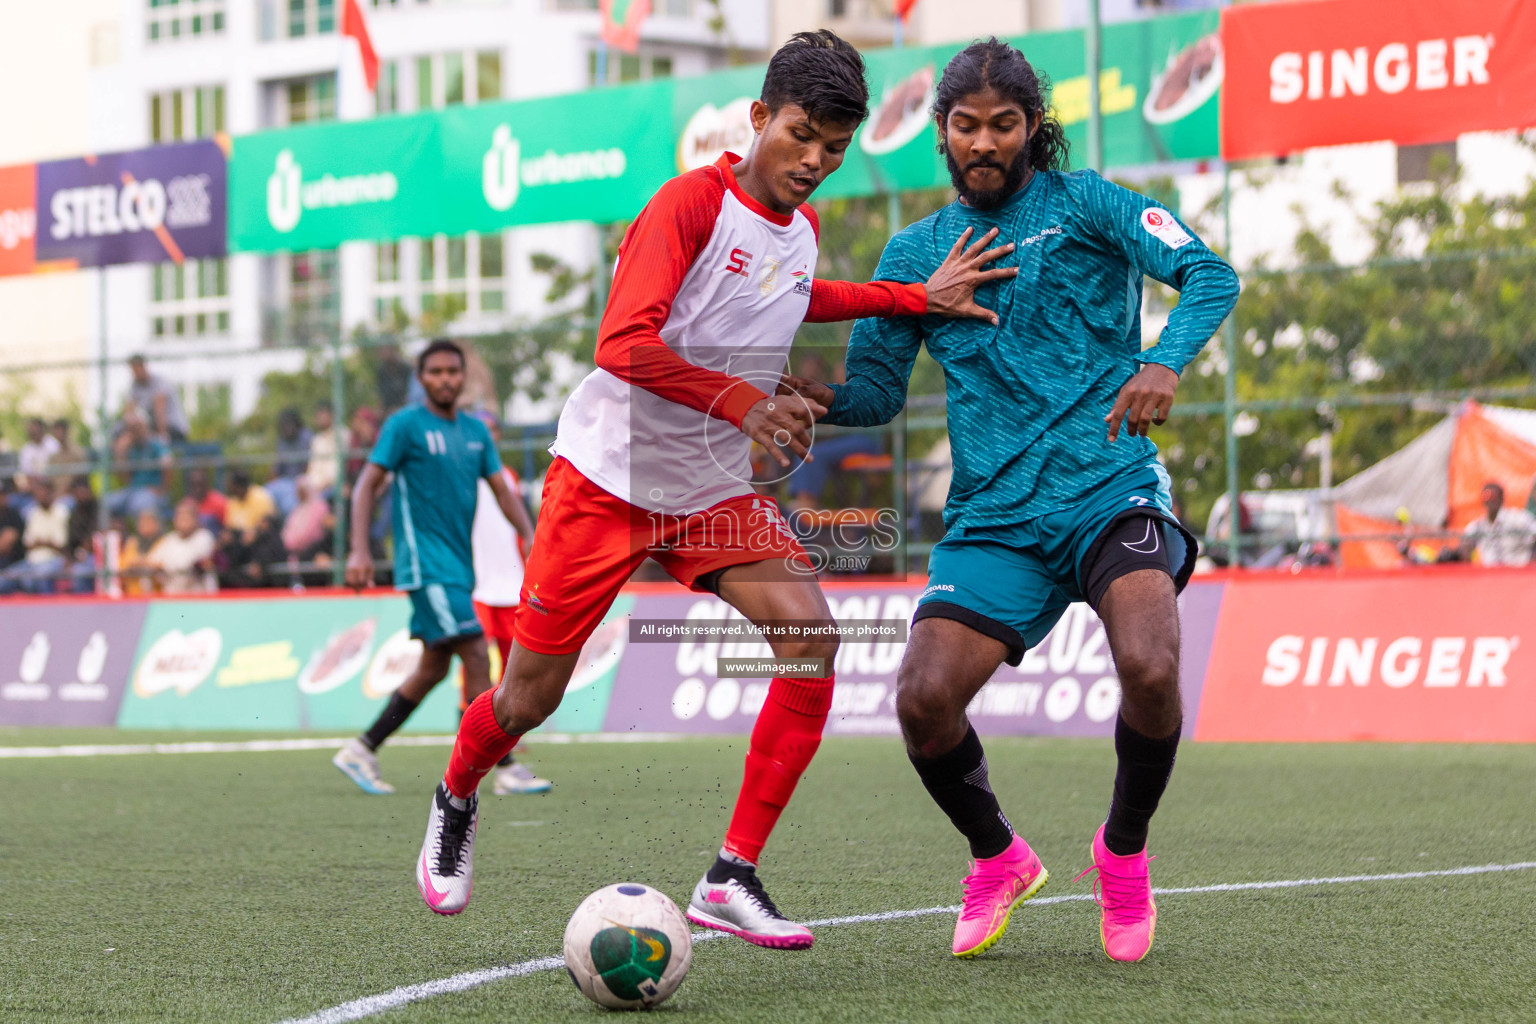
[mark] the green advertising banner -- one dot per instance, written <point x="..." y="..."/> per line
<point x="599" y="155"/>
<point x="305" y="663"/>
<point x="315" y="186"/>
<point x="311" y="663"/>
<point x="590" y="156"/>
<point x="1157" y="90"/>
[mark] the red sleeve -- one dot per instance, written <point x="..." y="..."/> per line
<point x="844" y="300"/>
<point x="655" y="255"/>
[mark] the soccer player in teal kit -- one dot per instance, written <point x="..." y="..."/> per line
<point x="437" y="456"/>
<point x="1057" y="494"/>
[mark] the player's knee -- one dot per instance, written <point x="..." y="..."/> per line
<point x="1148" y="670"/>
<point x="923" y="703"/>
<point x="821" y="644"/>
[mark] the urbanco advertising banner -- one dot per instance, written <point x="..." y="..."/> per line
<point x="498" y="165"/>
<point x="1331" y="72"/>
<point x="18" y="219"/>
<point x="66" y="663"/>
<point x="143" y="206"/>
<point x="1158" y="93"/>
<point x="316" y="186"/>
<point x="506" y="164"/>
<point x="1438" y="655"/>
<point x="1066" y="686"/>
<point x="324" y="663"/>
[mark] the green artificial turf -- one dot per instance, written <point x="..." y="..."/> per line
<point x="259" y="887"/>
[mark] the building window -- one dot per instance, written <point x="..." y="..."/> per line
<point x="487" y="76"/>
<point x="386" y="96"/>
<point x="180" y="115"/>
<point x="310" y="18"/>
<point x="311" y="99"/>
<point x="452" y="275"/>
<point x="189" y="300"/>
<point x="441" y="79"/>
<point x="314" y="297"/>
<point x="184" y="19"/>
<point x="629" y="67"/>
<point x="677" y="8"/>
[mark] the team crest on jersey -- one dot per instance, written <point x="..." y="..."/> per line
<point x="1161" y="225"/>
<point x="770" y="278"/>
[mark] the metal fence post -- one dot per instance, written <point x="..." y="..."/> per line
<point x="1229" y="400"/>
<point x="338" y="434"/>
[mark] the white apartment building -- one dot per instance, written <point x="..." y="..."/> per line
<point x="174" y="70"/>
<point x="139" y="72"/>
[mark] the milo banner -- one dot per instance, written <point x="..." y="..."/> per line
<point x="1158" y="86"/>
<point x="144" y="206"/>
<point x="315" y="663"/>
<point x="320" y="663"/>
<point x="65" y="663"/>
<point x="1066" y="686"/>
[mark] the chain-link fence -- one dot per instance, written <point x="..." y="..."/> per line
<point x="1324" y="373"/>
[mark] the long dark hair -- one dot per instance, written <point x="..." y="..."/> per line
<point x="991" y="63"/>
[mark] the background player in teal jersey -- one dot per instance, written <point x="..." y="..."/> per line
<point x="1049" y="502"/>
<point x="438" y="457"/>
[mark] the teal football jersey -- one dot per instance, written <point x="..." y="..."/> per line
<point x="1027" y="398"/>
<point x="438" y="465"/>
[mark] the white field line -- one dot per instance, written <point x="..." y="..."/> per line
<point x="307" y="743"/>
<point x="368" y="1006"/>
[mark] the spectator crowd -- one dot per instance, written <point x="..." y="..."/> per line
<point x="179" y="518"/>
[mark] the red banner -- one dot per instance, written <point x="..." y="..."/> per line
<point x="18" y="219"/>
<point x="1433" y="655"/>
<point x="1332" y="72"/>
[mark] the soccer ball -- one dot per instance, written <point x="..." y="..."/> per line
<point x="627" y="947"/>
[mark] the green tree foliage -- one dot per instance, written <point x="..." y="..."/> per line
<point x="1442" y="309"/>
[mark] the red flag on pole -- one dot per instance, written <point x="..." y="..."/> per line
<point x="904" y="8"/>
<point x="352" y="24"/>
<point x="621" y="22"/>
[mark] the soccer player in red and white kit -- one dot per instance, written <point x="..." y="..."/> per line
<point x="653" y="460"/>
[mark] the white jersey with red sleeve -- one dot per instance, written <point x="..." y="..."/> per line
<point x="708" y="292"/>
<point x="494" y="544"/>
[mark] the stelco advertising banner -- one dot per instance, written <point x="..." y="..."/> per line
<point x="1330" y="72"/>
<point x="144" y="206"/>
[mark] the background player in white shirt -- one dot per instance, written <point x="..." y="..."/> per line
<point x="498" y="554"/>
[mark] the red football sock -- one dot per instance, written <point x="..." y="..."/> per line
<point x="480" y="744"/>
<point x="784" y="740"/>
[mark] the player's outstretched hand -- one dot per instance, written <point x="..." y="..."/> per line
<point x="815" y="390"/>
<point x="1144" y="401"/>
<point x="952" y="288"/>
<point x="359" y="570"/>
<point x="783" y="421"/>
